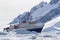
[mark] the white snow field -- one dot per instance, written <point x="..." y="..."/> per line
<point x="37" y="36"/>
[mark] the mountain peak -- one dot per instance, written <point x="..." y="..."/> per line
<point x="40" y="5"/>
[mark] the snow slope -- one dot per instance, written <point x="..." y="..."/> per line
<point x="54" y="26"/>
<point x="52" y="22"/>
<point x="38" y="36"/>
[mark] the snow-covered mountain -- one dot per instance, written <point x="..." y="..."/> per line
<point x="45" y="10"/>
<point x="39" y="14"/>
<point x="39" y="11"/>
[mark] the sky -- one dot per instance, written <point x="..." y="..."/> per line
<point x="9" y="9"/>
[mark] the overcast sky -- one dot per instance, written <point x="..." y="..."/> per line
<point x="9" y="9"/>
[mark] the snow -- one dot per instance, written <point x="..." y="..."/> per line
<point x="52" y="22"/>
<point x="36" y="12"/>
<point x="41" y="11"/>
<point x="54" y="1"/>
<point x="51" y="30"/>
<point x="22" y="34"/>
<point x="37" y="36"/>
